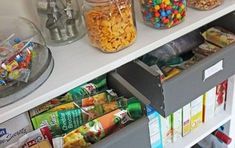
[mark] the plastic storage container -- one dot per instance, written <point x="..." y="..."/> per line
<point x="61" y="21"/>
<point x="204" y="4"/>
<point x="110" y="24"/>
<point x="163" y="13"/>
<point x="25" y="61"/>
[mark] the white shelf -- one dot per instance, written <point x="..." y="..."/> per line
<point x="204" y="130"/>
<point x="78" y="62"/>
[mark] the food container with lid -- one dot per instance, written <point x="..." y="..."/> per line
<point x="163" y="13"/>
<point x="25" y="60"/>
<point x="61" y="21"/>
<point x="110" y="24"/>
<point x="204" y="4"/>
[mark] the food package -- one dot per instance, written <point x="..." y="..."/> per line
<point x="219" y="36"/>
<point x="207" y="49"/>
<point x="177" y="125"/>
<point x="186" y="118"/>
<point x="59" y="122"/>
<point x="209" y="104"/>
<point x="166" y="130"/>
<point x="154" y="128"/>
<point x="40" y="138"/>
<point x="99" y="128"/>
<point x="221" y="92"/>
<point x="196" y="112"/>
<point x="10" y="133"/>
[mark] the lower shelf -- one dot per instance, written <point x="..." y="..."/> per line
<point x="204" y="130"/>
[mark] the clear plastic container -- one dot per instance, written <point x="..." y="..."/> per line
<point x="61" y="21"/>
<point x="163" y="13"/>
<point x="110" y="24"/>
<point x="204" y="4"/>
<point x="25" y="60"/>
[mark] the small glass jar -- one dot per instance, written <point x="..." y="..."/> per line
<point x="163" y="13"/>
<point x="110" y="24"/>
<point x="61" y="21"/>
<point x="204" y="4"/>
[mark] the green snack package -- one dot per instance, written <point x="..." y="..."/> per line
<point x="96" y="85"/>
<point x="59" y="122"/>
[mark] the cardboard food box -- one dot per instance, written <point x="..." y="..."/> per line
<point x="154" y="128"/>
<point x="13" y="129"/>
<point x="177" y="125"/>
<point x="209" y="104"/>
<point x="186" y="117"/>
<point x="196" y="112"/>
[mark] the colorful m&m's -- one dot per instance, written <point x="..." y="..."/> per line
<point x="163" y="13"/>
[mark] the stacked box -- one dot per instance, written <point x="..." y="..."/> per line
<point x="221" y="92"/>
<point x="177" y="125"/>
<point x="154" y="128"/>
<point x="13" y="129"/>
<point x="196" y="112"/>
<point x="186" y="124"/>
<point x="166" y="130"/>
<point x="209" y="104"/>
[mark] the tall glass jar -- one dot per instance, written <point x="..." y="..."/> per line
<point x="110" y="24"/>
<point x="163" y="13"/>
<point x="204" y="4"/>
<point x="61" y="21"/>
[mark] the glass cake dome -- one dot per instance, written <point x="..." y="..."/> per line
<point x="25" y="60"/>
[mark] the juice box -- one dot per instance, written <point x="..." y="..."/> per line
<point x="154" y="128"/>
<point x="186" y="117"/>
<point x="177" y="125"/>
<point x="166" y="130"/>
<point x="196" y="112"/>
<point x="221" y="92"/>
<point x="209" y="104"/>
<point x="13" y="129"/>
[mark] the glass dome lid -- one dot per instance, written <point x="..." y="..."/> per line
<point x="25" y="60"/>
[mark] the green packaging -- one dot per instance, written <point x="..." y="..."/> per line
<point x="59" y="122"/>
<point x="90" y="88"/>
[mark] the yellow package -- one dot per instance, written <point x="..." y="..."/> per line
<point x="196" y="112"/>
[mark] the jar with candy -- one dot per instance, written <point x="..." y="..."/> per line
<point x="25" y="60"/>
<point x="204" y="4"/>
<point x="163" y="13"/>
<point x="61" y="21"/>
<point x="110" y="24"/>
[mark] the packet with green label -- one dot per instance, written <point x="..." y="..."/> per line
<point x="59" y="122"/>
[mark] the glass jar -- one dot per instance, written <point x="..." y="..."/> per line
<point x="163" y="13"/>
<point x="110" y="24"/>
<point x="61" y="21"/>
<point x="204" y="4"/>
<point x="25" y="60"/>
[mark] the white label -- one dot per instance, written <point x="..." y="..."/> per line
<point x="213" y="70"/>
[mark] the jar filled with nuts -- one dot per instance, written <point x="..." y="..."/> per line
<point x="163" y="13"/>
<point x="204" y="4"/>
<point x="110" y="24"/>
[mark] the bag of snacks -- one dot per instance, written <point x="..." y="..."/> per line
<point x="204" y="4"/>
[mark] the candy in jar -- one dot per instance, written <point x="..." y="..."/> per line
<point x="204" y="4"/>
<point x="110" y="24"/>
<point x="163" y="13"/>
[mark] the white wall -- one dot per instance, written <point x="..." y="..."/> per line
<point x="25" y="8"/>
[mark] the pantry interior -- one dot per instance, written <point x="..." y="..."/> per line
<point x="78" y="63"/>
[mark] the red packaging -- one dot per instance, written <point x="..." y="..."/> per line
<point x="33" y="138"/>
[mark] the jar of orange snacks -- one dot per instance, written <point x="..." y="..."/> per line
<point x="110" y="24"/>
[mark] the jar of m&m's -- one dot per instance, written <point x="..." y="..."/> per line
<point x="163" y="13"/>
<point x="110" y="24"/>
<point x="204" y="4"/>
